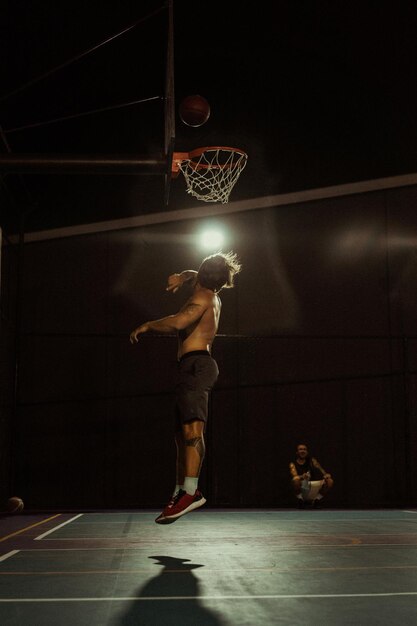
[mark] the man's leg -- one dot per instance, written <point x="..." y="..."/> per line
<point x="190" y="456"/>
<point x="180" y="462"/>
<point x="326" y="486"/>
<point x="180" y="475"/>
<point x="191" y="449"/>
<point x="296" y="486"/>
<point x="191" y="412"/>
<point x="194" y="451"/>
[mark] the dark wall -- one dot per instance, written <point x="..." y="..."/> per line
<point x="8" y="349"/>
<point x="317" y="343"/>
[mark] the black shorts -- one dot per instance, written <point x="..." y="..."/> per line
<point x="197" y="373"/>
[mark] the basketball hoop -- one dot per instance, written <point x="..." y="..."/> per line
<point x="210" y="173"/>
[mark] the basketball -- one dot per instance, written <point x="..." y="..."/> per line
<point x="15" y="505"/>
<point x="194" y="110"/>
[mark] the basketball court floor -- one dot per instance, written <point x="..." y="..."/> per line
<point x="210" y="568"/>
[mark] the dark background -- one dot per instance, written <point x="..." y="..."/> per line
<point x="317" y="93"/>
<point x="317" y="340"/>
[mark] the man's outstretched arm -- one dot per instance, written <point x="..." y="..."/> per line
<point x="190" y="313"/>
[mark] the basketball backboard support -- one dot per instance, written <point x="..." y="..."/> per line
<point x="169" y="102"/>
<point x="112" y="163"/>
<point x="210" y="173"/>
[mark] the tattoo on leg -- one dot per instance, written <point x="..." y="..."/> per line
<point x="198" y="444"/>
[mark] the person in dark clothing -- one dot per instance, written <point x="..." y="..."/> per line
<point x="310" y="482"/>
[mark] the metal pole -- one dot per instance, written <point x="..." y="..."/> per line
<point x="82" y="164"/>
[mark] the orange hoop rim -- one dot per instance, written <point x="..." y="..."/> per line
<point x="179" y="157"/>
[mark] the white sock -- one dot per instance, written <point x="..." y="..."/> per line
<point x="319" y="496"/>
<point x="190" y="485"/>
<point x="177" y="488"/>
<point x="299" y="496"/>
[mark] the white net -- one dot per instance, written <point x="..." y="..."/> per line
<point x="211" y="173"/>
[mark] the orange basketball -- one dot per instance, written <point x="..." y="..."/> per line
<point x="194" y="110"/>
<point x="15" y="505"/>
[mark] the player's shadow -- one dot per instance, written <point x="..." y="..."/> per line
<point x="178" y="590"/>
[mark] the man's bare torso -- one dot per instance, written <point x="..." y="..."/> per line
<point x="199" y="335"/>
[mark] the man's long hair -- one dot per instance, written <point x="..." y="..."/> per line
<point x="218" y="270"/>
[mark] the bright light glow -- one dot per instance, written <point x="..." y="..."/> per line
<point x="211" y="239"/>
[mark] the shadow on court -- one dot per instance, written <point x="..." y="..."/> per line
<point x="176" y="580"/>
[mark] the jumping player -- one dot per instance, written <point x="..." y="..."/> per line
<point x="196" y="325"/>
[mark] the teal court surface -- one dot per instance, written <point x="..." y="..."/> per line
<point x="210" y="568"/>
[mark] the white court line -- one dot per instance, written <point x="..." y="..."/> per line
<point x="145" y="544"/>
<point x="6" y="556"/>
<point x="279" y="512"/>
<point x="202" y="598"/>
<point x="281" y="520"/>
<point x="48" y="532"/>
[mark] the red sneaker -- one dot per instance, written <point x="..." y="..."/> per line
<point x="179" y="505"/>
<point x="161" y="519"/>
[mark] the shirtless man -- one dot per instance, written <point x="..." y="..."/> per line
<point x="196" y="325"/>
